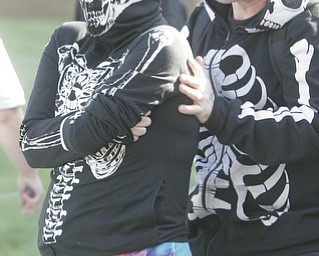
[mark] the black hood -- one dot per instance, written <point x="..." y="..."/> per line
<point x="134" y="20"/>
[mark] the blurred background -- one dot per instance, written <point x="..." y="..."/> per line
<point x="25" y="27"/>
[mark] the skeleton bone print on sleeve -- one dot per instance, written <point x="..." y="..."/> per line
<point x="225" y="168"/>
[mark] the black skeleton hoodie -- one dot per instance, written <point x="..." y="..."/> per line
<point x="257" y="190"/>
<point x="107" y="194"/>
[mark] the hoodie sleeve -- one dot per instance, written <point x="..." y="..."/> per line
<point x="289" y="132"/>
<point x="40" y="139"/>
<point x="147" y="78"/>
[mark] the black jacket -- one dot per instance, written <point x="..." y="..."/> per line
<point x="108" y="195"/>
<point x="257" y="162"/>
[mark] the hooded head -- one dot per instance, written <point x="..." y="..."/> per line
<point x="274" y="15"/>
<point x="100" y="15"/>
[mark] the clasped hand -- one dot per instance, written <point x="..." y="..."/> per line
<point x="197" y="88"/>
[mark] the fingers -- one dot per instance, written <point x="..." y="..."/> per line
<point x="30" y="200"/>
<point x="197" y="88"/>
<point x="191" y="92"/>
<point x="30" y="190"/>
<point x="195" y="95"/>
<point x="140" y="128"/>
<point x="191" y="81"/>
<point x="197" y="69"/>
<point x="145" y="120"/>
<point x="135" y="138"/>
<point x="147" y="114"/>
<point x="139" y="131"/>
<point x="200" y="61"/>
<point x="190" y="86"/>
<point x="196" y="66"/>
<point x="189" y="109"/>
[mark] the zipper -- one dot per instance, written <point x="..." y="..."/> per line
<point x="209" y="249"/>
<point x="211" y="63"/>
<point x="215" y="93"/>
<point x="207" y="178"/>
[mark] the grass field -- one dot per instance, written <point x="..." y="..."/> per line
<point x="24" y="39"/>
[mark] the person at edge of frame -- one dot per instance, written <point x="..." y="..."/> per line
<point x="12" y="99"/>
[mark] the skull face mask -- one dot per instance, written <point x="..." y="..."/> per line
<point x="100" y="15"/>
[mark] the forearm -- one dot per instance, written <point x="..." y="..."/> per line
<point x="262" y="134"/>
<point x="10" y="120"/>
<point x="29" y="184"/>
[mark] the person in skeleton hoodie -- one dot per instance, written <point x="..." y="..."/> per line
<point x="108" y="194"/>
<point x="257" y="165"/>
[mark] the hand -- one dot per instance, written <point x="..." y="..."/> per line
<point x="199" y="90"/>
<point x="30" y="191"/>
<point x="140" y="128"/>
